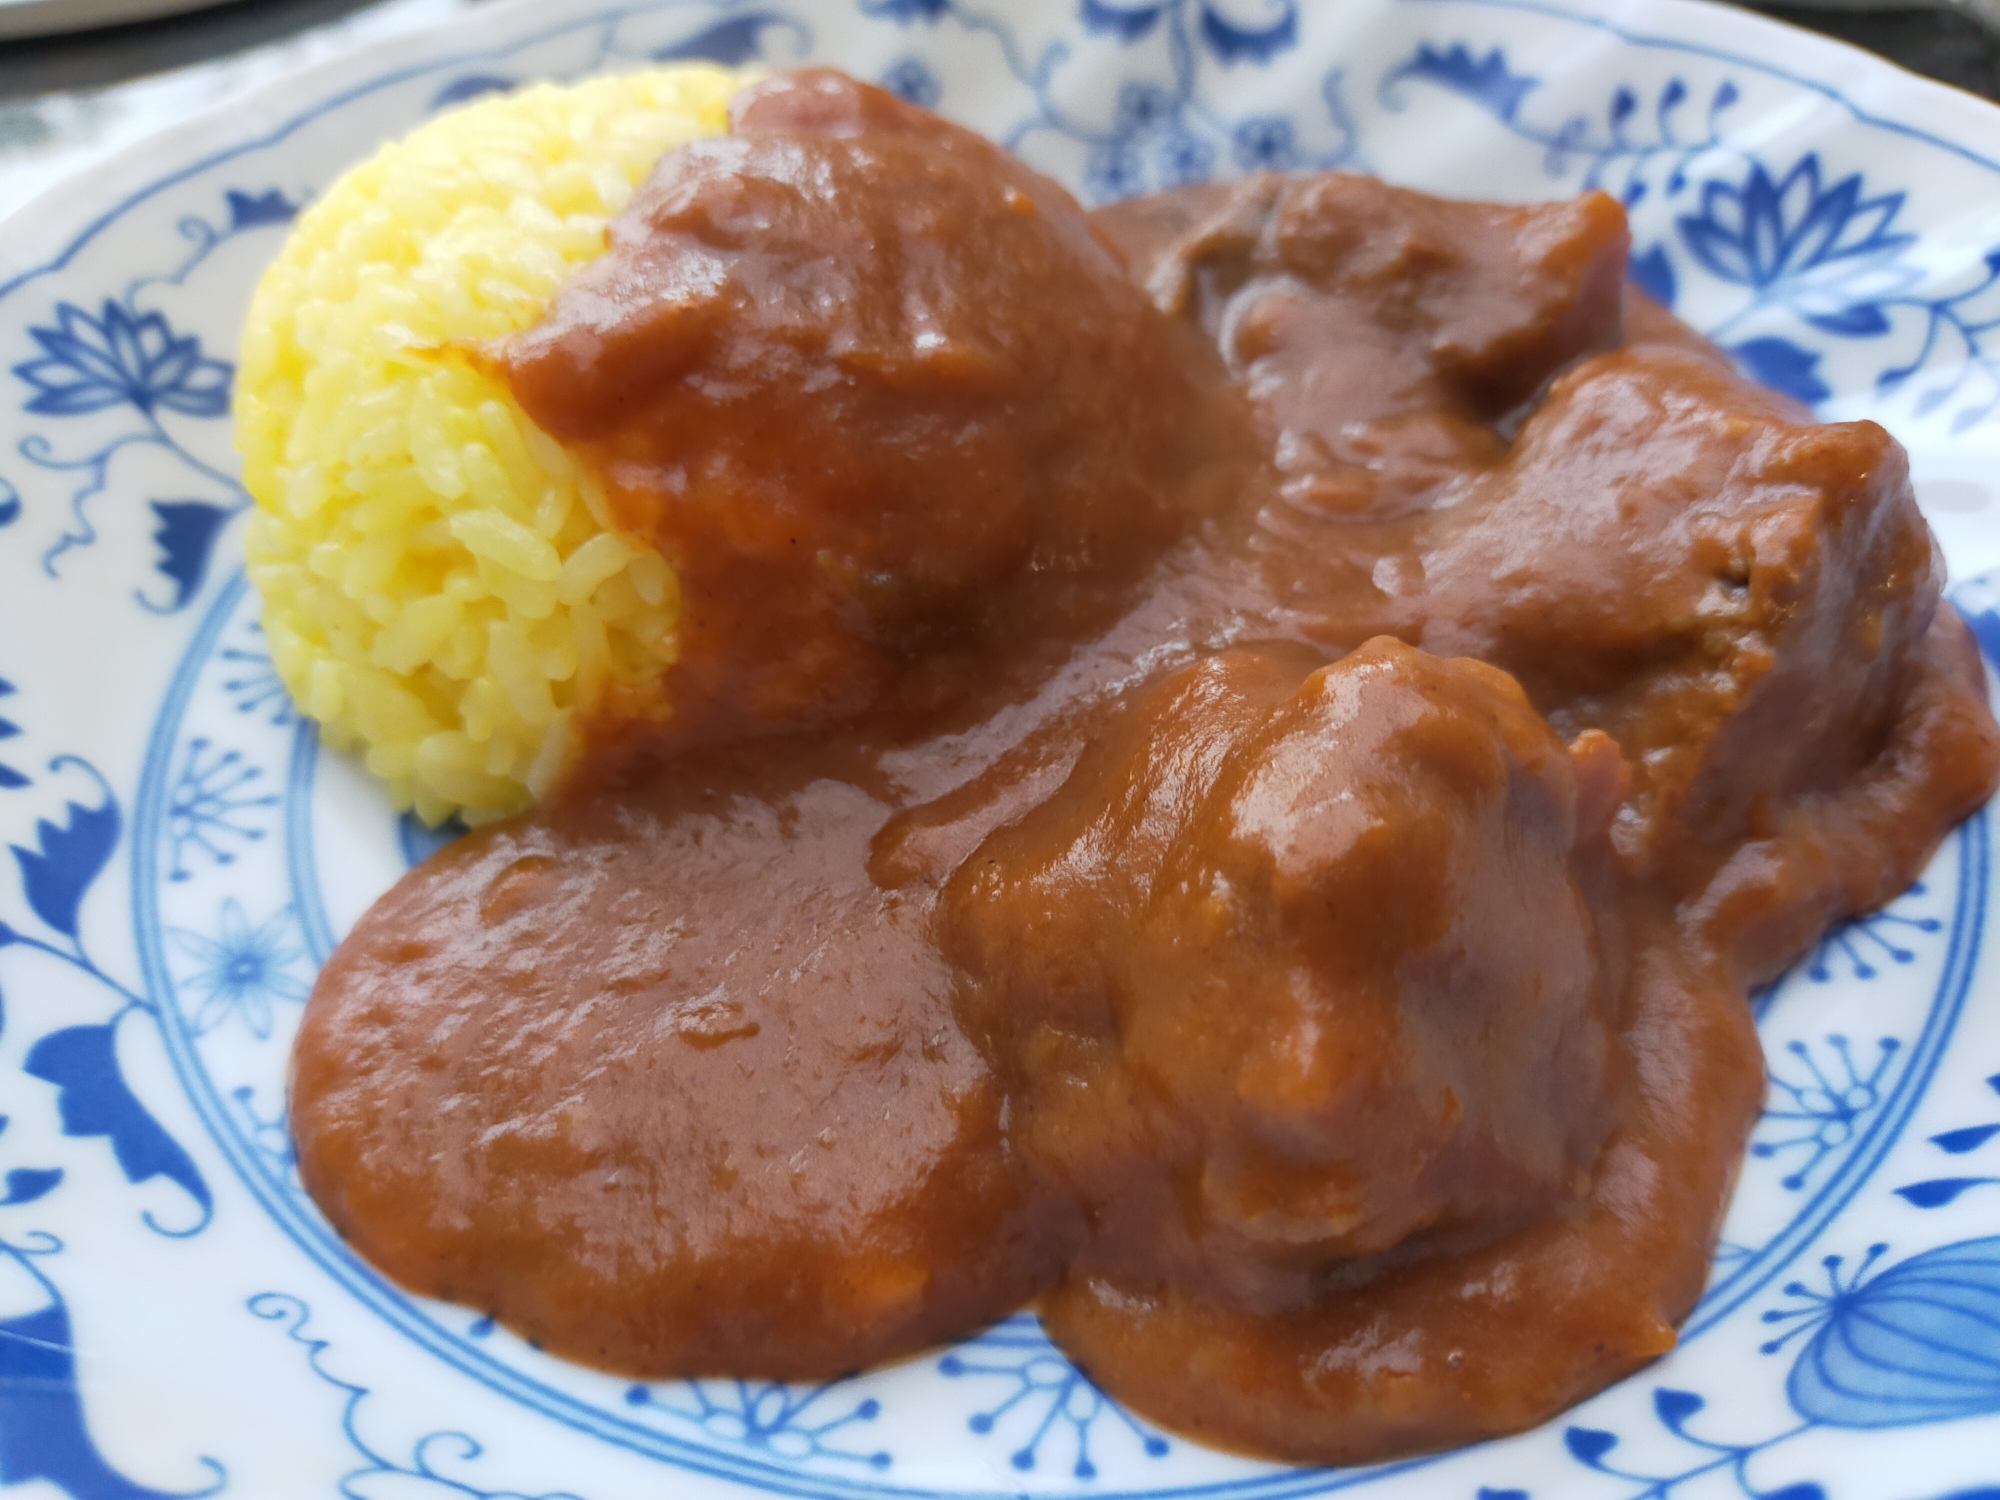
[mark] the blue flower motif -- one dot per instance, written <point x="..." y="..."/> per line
<point x="1264" y="143"/>
<point x="1765" y="232"/>
<point x="243" y="968"/>
<point x="1144" y="106"/>
<point x="94" y="363"/>
<point x="1111" y="172"/>
<point x="791" y="1423"/>
<point x="906" y="11"/>
<point x="212" y="804"/>
<point x="1043" y="1394"/>
<point x="1820" y="1107"/>
<point x="248" y="212"/>
<point x="910" y="79"/>
<point x="1185" y="159"/>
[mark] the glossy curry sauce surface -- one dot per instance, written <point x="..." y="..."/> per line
<point x="1233" y="763"/>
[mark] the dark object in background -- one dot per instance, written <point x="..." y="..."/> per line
<point x="116" y="54"/>
<point x="1937" y="41"/>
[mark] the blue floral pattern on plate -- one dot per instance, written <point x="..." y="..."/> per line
<point x="182" y="854"/>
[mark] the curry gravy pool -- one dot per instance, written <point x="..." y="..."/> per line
<point x="1232" y="764"/>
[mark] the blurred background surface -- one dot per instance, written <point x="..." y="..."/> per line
<point x="71" y="91"/>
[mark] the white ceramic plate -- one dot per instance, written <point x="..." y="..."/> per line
<point x="174" y="1315"/>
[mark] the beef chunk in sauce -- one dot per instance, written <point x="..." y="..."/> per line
<point x="1746" y="600"/>
<point x="1299" y="964"/>
<point x="1446" y="317"/>
<point x="876" y="390"/>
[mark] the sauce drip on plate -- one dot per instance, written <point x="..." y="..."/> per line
<point x="1233" y="762"/>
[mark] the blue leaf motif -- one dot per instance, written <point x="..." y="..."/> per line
<point x="1971" y="1138"/>
<point x="906" y="11"/>
<point x="1124" y="19"/>
<point x="9" y="777"/>
<point x="186" y="535"/>
<point x="911" y="80"/>
<point x="91" y="364"/>
<point x="26" y="1184"/>
<point x="1675" y="1407"/>
<point x="1492" y="1494"/>
<point x="57" y="872"/>
<point x="1864" y="320"/>
<point x="1939" y="1191"/>
<point x="42" y="1431"/>
<point x="469" y="86"/>
<point x="731" y="43"/>
<point x="1588" y="1445"/>
<point x="93" y="1099"/>
<point x="1238" y="37"/>
<point x="1916" y="1344"/>
<point x="1783" y="366"/>
<point x="10" y="504"/>
<point x="250" y="212"/>
<point x="1487" y="81"/>
<point x="1653" y="273"/>
<point x="1805" y="1491"/>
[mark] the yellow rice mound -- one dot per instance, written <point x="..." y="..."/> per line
<point x="442" y="585"/>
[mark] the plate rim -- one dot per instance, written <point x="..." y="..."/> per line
<point x="269" y="112"/>
<point x="508" y="34"/>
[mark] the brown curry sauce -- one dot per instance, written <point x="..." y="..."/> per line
<point x="1233" y="763"/>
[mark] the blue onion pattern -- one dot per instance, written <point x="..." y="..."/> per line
<point x="119" y="358"/>
<point x="1918" y="1343"/>
<point x="439" y="1463"/>
<point x="1791" y="232"/>
<point x="1042" y="1394"/>
<point x="1817" y="1106"/>
<point x="1816" y="252"/>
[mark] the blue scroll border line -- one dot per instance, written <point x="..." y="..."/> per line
<point x="616" y="14"/>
